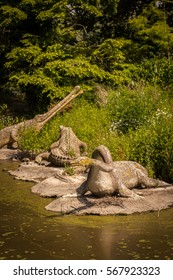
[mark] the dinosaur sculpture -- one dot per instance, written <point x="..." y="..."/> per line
<point x="106" y="177"/>
<point x="66" y="149"/>
<point x="9" y="136"/>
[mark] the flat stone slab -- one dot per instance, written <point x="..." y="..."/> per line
<point x="7" y="153"/>
<point x="58" y="185"/>
<point x="33" y="172"/>
<point x="150" y="200"/>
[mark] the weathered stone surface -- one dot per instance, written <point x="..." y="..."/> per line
<point x="58" y="185"/>
<point x="33" y="172"/>
<point x="152" y="200"/>
<point x="7" y="153"/>
<point x="63" y="151"/>
<point x="106" y="177"/>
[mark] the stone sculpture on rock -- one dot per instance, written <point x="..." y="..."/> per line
<point x="65" y="150"/>
<point x="106" y="177"/>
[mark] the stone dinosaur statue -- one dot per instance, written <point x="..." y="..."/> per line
<point x="66" y="149"/>
<point x="106" y="177"/>
<point x="9" y="136"/>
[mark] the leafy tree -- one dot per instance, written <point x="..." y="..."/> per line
<point x="51" y="50"/>
<point x="47" y="47"/>
<point x="151" y="32"/>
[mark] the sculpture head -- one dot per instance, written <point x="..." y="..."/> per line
<point x="101" y="158"/>
<point x="63" y="128"/>
<point x="66" y="130"/>
<point x="103" y="154"/>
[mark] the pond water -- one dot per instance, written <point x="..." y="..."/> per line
<point x="28" y="231"/>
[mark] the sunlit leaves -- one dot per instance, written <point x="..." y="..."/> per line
<point x="10" y="16"/>
<point x="152" y="32"/>
<point x="50" y="46"/>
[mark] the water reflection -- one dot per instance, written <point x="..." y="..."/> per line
<point x="27" y="231"/>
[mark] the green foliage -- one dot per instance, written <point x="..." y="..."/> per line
<point x="149" y="143"/>
<point x="53" y="72"/>
<point x="112" y="56"/>
<point x="27" y="141"/>
<point x="132" y="108"/>
<point x="151" y="33"/>
<point x="52" y="46"/>
<point x="22" y="56"/>
<point x="109" y="53"/>
<point x="5" y="118"/>
<point x="152" y="145"/>
<point x="156" y="71"/>
<point x="69" y="170"/>
<point x="11" y="16"/>
<point x="38" y="142"/>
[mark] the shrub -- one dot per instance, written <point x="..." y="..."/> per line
<point x="152" y="145"/>
<point x="156" y="71"/>
<point x="5" y="118"/>
<point x="131" y="108"/>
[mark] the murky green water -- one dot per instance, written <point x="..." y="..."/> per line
<point x="27" y="231"/>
